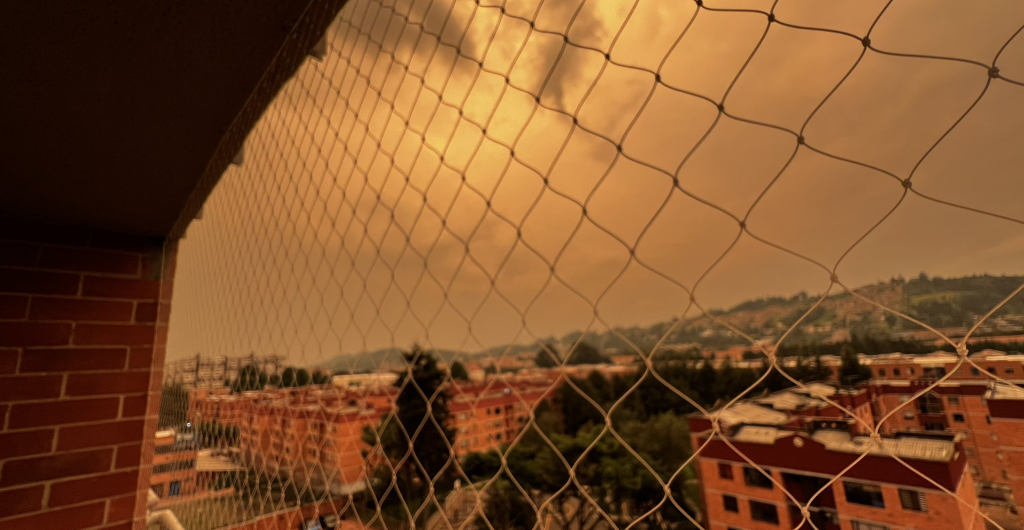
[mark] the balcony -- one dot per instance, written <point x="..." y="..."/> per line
<point x="635" y="242"/>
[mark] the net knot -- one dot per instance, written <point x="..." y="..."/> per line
<point x="866" y="41"/>
<point x="961" y="350"/>
<point x="907" y="184"/>
<point x="993" y="72"/>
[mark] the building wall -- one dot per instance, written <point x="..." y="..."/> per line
<point x="1010" y="446"/>
<point x="944" y="511"/>
<point x="716" y="487"/>
<point x="82" y="328"/>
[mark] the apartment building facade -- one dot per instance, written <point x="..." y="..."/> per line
<point x="802" y="443"/>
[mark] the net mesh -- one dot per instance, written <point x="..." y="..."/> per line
<point x="450" y="190"/>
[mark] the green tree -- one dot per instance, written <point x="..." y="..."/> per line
<point x="506" y="508"/>
<point x="459" y="372"/>
<point x="584" y="353"/>
<point x="249" y="378"/>
<point x="547" y="357"/>
<point x="432" y="436"/>
<point x="481" y="465"/>
<point x="577" y="410"/>
<point x="288" y="377"/>
<point x="851" y="371"/>
<point x="321" y="377"/>
<point x="302" y="377"/>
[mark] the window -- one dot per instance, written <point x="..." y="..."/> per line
<point x="865" y="494"/>
<point x="881" y="372"/>
<point x="175" y="489"/>
<point x="913" y="501"/>
<point x="755" y="478"/>
<point x="725" y="471"/>
<point x="730" y="503"/>
<point x="988" y="418"/>
<point x="907" y="415"/>
<point x="954" y="400"/>
<point x="860" y="525"/>
<point x="959" y="418"/>
<point x="934" y="426"/>
<point x="896" y="372"/>
<point x="764" y="512"/>
<point x="975" y="371"/>
<point x="1009" y="371"/>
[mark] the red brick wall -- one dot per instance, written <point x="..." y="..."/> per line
<point x="82" y="329"/>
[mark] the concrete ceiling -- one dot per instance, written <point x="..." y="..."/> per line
<point x="111" y="110"/>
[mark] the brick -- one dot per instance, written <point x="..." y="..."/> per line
<point x="24" y="387"/>
<point x="121" y="288"/>
<point x="8" y="361"/>
<point x="80" y="310"/>
<point x="134" y="406"/>
<point x="153" y="312"/>
<point x="41" y="233"/>
<point x="13" y="307"/>
<point x="114" y="334"/>
<point x="72" y="359"/>
<point x="89" y="260"/>
<point x="121" y="509"/>
<point x="43" y="414"/>
<point x="25" y="443"/>
<point x="100" y="434"/>
<point x="128" y="456"/>
<point x="76" y="518"/>
<point x="38" y="469"/>
<point x="86" y="489"/>
<point x="93" y="384"/>
<point x="146" y="312"/>
<point x="18" y="254"/>
<point x="21" y="500"/>
<point x="37" y="282"/>
<point x="34" y="333"/>
<point x="140" y="357"/>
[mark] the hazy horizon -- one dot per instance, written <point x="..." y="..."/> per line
<point x="345" y="230"/>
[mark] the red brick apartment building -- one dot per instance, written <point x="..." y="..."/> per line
<point x="958" y="436"/>
<point x="317" y="431"/>
<point x="931" y="366"/>
<point x="486" y="416"/>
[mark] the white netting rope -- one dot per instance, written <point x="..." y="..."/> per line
<point x="357" y="171"/>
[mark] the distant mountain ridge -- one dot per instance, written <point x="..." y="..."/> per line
<point x="947" y="303"/>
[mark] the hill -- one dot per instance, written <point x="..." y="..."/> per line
<point x="950" y="304"/>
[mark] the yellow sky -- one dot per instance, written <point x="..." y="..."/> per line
<point x="319" y="242"/>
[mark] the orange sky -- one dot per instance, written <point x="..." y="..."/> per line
<point x="318" y="243"/>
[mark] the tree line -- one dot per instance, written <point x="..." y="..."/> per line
<point x="623" y="474"/>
